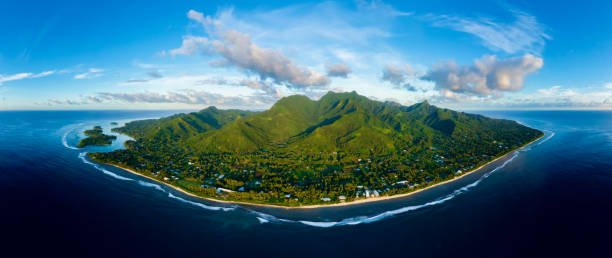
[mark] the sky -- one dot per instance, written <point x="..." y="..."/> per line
<point x="57" y="55"/>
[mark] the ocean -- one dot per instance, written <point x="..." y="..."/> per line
<point x="552" y="198"/>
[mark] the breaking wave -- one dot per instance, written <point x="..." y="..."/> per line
<point x="65" y="140"/>
<point x="201" y="205"/>
<point x="547" y="138"/>
<point x="147" y="184"/>
<point x="83" y="155"/>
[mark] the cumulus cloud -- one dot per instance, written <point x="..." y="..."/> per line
<point x="91" y="73"/>
<point x="487" y="76"/>
<point x="22" y="76"/>
<point x="338" y="70"/>
<point x="396" y="74"/>
<point x="237" y="49"/>
<point x="524" y="34"/>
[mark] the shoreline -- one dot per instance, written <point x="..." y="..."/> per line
<point x="316" y="206"/>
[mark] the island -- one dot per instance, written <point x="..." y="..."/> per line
<point x="96" y="137"/>
<point x="301" y="152"/>
<point x="114" y="123"/>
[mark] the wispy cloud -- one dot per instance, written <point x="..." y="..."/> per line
<point x="185" y="96"/>
<point x="554" y="97"/>
<point x="561" y="97"/>
<point x="90" y="73"/>
<point x="523" y="35"/>
<point x="22" y="76"/>
<point x="152" y="75"/>
<point x="155" y="74"/>
<point x="380" y="7"/>
<point x="189" y="46"/>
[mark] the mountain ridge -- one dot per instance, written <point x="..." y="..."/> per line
<point x="336" y="121"/>
<point x="304" y="151"/>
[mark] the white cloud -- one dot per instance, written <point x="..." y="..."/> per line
<point x="237" y="49"/>
<point x="190" y="45"/>
<point x="338" y="70"/>
<point x="524" y="34"/>
<point x="22" y="76"/>
<point x="554" y="97"/>
<point x="90" y="73"/>
<point x="558" y="91"/>
<point x="185" y="96"/>
<point x="321" y="23"/>
<point x="488" y="75"/>
<point x="377" y="6"/>
<point x="561" y="97"/>
<point x="608" y="85"/>
<point x="396" y="74"/>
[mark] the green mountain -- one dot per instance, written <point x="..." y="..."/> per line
<point x="315" y="149"/>
<point x="337" y="122"/>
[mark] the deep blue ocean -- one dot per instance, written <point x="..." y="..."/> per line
<point x="551" y="199"/>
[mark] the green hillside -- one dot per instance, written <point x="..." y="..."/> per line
<point x="302" y="151"/>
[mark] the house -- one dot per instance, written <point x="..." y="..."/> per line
<point x="326" y="199"/>
<point x="375" y="193"/>
<point x="342" y="198"/>
<point x="223" y="190"/>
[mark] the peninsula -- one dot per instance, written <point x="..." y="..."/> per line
<point x="343" y="147"/>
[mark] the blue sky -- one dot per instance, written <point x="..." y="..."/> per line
<point x="248" y="54"/>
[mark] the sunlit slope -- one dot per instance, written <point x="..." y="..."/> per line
<point x="337" y="122"/>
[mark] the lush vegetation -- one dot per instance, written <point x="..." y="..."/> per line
<point x="96" y="137"/>
<point x="339" y="148"/>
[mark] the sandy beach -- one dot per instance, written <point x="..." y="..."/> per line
<point x="354" y="202"/>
